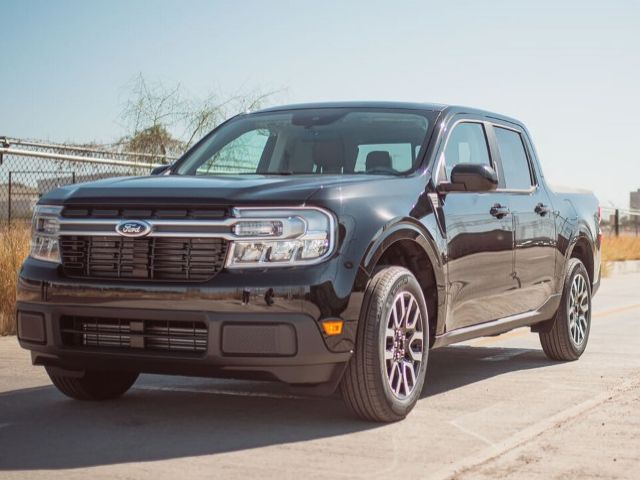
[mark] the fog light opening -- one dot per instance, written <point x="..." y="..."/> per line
<point x="332" y="326"/>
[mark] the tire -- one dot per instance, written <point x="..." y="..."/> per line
<point x="373" y="386"/>
<point x="93" y="385"/>
<point x="567" y="338"/>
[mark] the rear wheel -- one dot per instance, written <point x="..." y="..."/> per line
<point x="93" y="385"/>
<point x="567" y="338"/>
<point x="384" y="378"/>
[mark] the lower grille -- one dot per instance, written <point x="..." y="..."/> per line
<point x="150" y="258"/>
<point x="119" y="333"/>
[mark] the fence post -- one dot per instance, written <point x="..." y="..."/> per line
<point x="616" y="222"/>
<point x="4" y="144"/>
<point x="73" y="177"/>
<point x="9" y="198"/>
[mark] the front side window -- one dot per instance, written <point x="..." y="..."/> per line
<point x="466" y="144"/>
<point x="513" y="157"/>
<point x="335" y="141"/>
<point x="240" y="155"/>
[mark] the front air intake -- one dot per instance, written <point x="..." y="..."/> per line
<point x="118" y="333"/>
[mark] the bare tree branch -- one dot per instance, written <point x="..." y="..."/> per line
<point x="155" y="112"/>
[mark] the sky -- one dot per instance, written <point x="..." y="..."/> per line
<point x="570" y="70"/>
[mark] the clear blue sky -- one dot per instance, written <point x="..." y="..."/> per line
<point x="569" y="69"/>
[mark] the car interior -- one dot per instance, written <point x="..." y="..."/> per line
<point x="351" y="143"/>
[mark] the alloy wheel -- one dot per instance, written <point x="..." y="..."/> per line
<point x="578" y="310"/>
<point x="403" y="344"/>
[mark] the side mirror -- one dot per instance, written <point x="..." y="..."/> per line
<point x="160" y="170"/>
<point x="471" y="177"/>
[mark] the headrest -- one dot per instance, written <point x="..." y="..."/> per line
<point x="329" y="156"/>
<point x="378" y="159"/>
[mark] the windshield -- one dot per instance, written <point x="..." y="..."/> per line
<point x="312" y="141"/>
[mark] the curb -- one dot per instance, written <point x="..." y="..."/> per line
<point x="622" y="267"/>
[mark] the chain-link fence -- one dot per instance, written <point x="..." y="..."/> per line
<point x="620" y="221"/>
<point x="30" y="169"/>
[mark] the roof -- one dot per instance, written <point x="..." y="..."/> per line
<point x="434" y="107"/>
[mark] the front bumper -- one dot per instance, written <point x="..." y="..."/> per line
<point x="259" y="326"/>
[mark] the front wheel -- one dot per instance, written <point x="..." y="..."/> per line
<point x="93" y="385"/>
<point x="384" y="378"/>
<point x="567" y="338"/>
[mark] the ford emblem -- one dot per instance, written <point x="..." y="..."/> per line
<point x="133" y="228"/>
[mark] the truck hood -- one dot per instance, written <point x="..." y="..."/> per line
<point x="175" y="189"/>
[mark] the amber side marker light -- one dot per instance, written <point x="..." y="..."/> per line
<point x="332" y="326"/>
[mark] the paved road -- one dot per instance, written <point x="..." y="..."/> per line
<point x="492" y="408"/>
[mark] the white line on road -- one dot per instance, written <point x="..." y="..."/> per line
<point x="482" y="438"/>
<point x="529" y="433"/>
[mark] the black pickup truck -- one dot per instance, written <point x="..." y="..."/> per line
<point x="321" y="245"/>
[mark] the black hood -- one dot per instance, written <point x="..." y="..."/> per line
<point x="175" y="189"/>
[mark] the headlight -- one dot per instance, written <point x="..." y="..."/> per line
<point x="270" y="237"/>
<point x="44" y="233"/>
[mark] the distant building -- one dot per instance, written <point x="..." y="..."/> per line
<point x="634" y="200"/>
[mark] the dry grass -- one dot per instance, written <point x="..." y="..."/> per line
<point x="620" y="248"/>
<point x="13" y="250"/>
<point x="616" y="249"/>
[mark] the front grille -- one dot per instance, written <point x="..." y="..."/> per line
<point x="120" y="333"/>
<point x="147" y="258"/>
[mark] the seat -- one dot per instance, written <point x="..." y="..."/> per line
<point x="328" y="156"/>
<point x="378" y="159"/>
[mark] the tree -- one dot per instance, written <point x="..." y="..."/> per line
<point x="164" y="122"/>
<point x="155" y="140"/>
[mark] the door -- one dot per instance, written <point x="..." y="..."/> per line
<point x="534" y="225"/>
<point x="479" y="233"/>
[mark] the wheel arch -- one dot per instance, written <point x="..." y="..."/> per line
<point x="582" y="248"/>
<point x="409" y="244"/>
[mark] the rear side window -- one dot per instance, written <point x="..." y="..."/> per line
<point x="513" y="156"/>
<point x="467" y="144"/>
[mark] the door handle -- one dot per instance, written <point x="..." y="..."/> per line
<point x="542" y="209"/>
<point x="499" y="211"/>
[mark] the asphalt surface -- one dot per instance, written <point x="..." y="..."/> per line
<point x="492" y="408"/>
